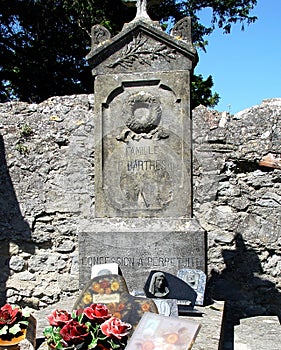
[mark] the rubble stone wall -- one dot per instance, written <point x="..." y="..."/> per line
<point x="47" y="186"/>
<point x="237" y="200"/>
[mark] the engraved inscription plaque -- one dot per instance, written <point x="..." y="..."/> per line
<point x="141" y="245"/>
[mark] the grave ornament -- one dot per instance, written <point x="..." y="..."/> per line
<point x="105" y="269"/>
<point x="141" y="8"/>
<point x="161" y="332"/>
<point x="99" y="34"/>
<point x="196" y="279"/>
<point x="182" y="29"/>
<point x="167" y="307"/>
<point x="158" y="285"/>
<point x="164" y="285"/>
<point x="112" y="291"/>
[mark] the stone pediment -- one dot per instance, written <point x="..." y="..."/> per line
<point x="141" y="46"/>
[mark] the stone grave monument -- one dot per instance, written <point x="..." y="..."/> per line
<point x="143" y="160"/>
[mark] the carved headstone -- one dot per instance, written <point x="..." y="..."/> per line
<point x="143" y="165"/>
<point x="139" y="246"/>
<point x="145" y="162"/>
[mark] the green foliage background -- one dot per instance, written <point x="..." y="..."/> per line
<point x="44" y="42"/>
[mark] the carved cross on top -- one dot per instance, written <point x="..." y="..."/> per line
<point x="141" y="6"/>
<point x="142" y="9"/>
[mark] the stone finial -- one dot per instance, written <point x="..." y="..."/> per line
<point x="99" y="34"/>
<point x="142" y="9"/>
<point x="182" y="29"/>
<point x="142" y="6"/>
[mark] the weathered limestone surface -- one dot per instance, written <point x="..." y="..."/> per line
<point x="267" y="337"/>
<point x="209" y="336"/>
<point x="47" y="188"/>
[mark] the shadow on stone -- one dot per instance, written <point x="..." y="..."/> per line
<point x="15" y="232"/>
<point x="242" y="279"/>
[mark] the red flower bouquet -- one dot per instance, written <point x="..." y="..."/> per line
<point x="13" y="321"/>
<point x="91" y="328"/>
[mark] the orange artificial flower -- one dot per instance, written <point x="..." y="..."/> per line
<point x="121" y="307"/>
<point x="148" y="345"/>
<point x="111" y="307"/>
<point x="145" y="307"/>
<point x="172" y="338"/>
<point x="96" y="287"/>
<point x="117" y="314"/>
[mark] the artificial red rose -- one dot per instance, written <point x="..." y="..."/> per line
<point x="114" y="327"/>
<point x="74" y="332"/>
<point x="8" y="315"/>
<point x="97" y="313"/>
<point x="59" y="318"/>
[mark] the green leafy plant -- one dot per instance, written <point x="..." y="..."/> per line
<point x="25" y="130"/>
<point x="13" y="321"/>
<point x="22" y="148"/>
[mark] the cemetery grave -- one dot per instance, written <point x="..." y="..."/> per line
<point x="143" y="220"/>
<point x="143" y="188"/>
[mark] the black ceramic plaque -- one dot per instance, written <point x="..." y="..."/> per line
<point x="164" y="285"/>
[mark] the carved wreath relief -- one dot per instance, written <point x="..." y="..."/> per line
<point x="143" y="117"/>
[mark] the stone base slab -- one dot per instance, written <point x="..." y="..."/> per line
<point x="268" y="335"/>
<point x="209" y="336"/>
<point x="140" y="245"/>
